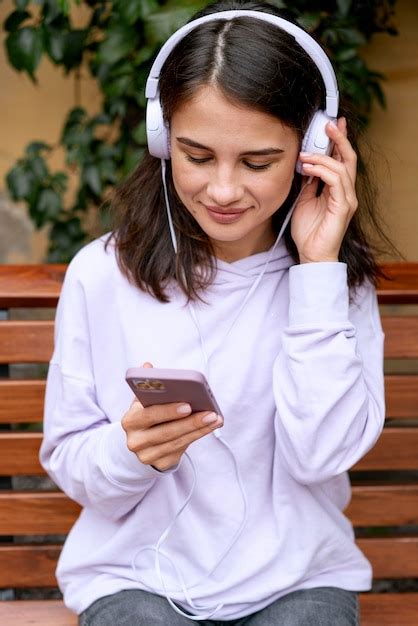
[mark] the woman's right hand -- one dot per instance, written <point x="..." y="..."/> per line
<point x="160" y="434"/>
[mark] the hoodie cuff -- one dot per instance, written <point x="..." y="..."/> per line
<point x="120" y="465"/>
<point x="318" y="293"/>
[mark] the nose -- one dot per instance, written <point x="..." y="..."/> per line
<point x="224" y="187"/>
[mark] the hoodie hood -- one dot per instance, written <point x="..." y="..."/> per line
<point x="249" y="268"/>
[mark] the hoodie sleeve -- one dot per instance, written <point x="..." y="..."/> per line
<point x="328" y="379"/>
<point x="83" y="451"/>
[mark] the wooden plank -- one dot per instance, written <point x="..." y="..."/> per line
<point x="389" y="609"/>
<point x="401" y="396"/>
<point x="40" y="285"/>
<point x="26" y="342"/>
<point x="377" y="609"/>
<point x="43" y="513"/>
<point x="21" y="401"/>
<point x="401" y="336"/>
<point x="401" y="286"/>
<point x="391" y="557"/>
<point x="19" y="454"/>
<point x="36" y="613"/>
<point x="383" y="505"/>
<point x="20" y="565"/>
<point x="396" y="449"/>
<point x="36" y="513"/>
<point x="30" y="285"/>
<point x="24" y="566"/>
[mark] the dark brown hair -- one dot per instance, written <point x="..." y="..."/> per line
<point x="259" y="66"/>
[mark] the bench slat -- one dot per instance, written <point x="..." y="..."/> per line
<point x="43" y="513"/>
<point x="386" y="609"/>
<point x="26" y="342"/>
<point x="32" y="341"/>
<point x="401" y="286"/>
<point x="21" y="565"/>
<point x="389" y="609"/>
<point x="391" y="557"/>
<point x="396" y="449"/>
<point x="383" y="505"/>
<point x="36" y="513"/>
<point x="19" y="454"/>
<point x="21" y="401"/>
<point x="30" y="285"/>
<point x="36" y="613"/>
<point x="401" y="336"/>
<point x="401" y="393"/>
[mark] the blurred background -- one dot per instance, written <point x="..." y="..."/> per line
<point x="72" y="75"/>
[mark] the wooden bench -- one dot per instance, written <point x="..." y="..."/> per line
<point x="384" y="507"/>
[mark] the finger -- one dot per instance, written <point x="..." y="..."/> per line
<point x="173" y="430"/>
<point x="146" y="417"/>
<point x="152" y="454"/>
<point x="344" y="148"/>
<point x="334" y="166"/>
<point x="334" y="182"/>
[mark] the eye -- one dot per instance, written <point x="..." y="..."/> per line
<point x="252" y="166"/>
<point x="197" y="160"/>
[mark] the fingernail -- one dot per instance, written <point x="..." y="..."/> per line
<point x="305" y="154"/>
<point x="210" y="419"/>
<point x="308" y="165"/>
<point x="184" y="409"/>
<point x="333" y="124"/>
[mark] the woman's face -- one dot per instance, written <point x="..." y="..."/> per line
<point x="232" y="168"/>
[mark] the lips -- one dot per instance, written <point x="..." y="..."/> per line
<point x="222" y="216"/>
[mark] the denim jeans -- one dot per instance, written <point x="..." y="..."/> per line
<point x="321" y="606"/>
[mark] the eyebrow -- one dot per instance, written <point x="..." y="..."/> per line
<point x="264" y="152"/>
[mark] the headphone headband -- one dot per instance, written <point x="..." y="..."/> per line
<point x="311" y="47"/>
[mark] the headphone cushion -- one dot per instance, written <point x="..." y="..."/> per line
<point x="316" y="141"/>
<point x="157" y="130"/>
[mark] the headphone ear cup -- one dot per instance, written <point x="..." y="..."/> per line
<point x="316" y="140"/>
<point x="157" y="131"/>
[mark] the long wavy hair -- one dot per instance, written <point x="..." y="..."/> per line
<point x="260" y="66"/>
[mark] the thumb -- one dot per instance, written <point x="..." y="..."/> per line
<point x="147" y="364"/>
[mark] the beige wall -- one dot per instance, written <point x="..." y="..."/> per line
<point x="394" y="131"/>
<point x="36" y="112"/>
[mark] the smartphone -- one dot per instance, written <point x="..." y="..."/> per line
<point x="153" y="385"/>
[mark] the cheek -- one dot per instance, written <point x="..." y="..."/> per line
<point x="275" y="191"/>
<point x="186" y="178"/>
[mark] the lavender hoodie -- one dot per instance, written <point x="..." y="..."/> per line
<point x="300" y="382"/>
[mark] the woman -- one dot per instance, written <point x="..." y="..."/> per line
<point x="260" y="276"/>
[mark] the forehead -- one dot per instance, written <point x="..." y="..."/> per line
<point x="212" y="117"/>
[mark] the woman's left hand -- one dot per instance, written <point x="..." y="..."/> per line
<point x="319" y="223"/>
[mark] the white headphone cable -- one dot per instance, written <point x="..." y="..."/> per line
<point x="165" y="534"/>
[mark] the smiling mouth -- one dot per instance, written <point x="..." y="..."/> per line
<point x="223" y="216"/>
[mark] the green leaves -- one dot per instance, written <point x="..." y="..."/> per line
<point x="120" y="41"/>
<point x="31" y="181"/>
<point x="24" y="49"/>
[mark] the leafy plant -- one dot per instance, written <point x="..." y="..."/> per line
<point x="117" y="46"/>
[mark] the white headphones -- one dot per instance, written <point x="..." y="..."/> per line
<point x="315" y="139"/>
